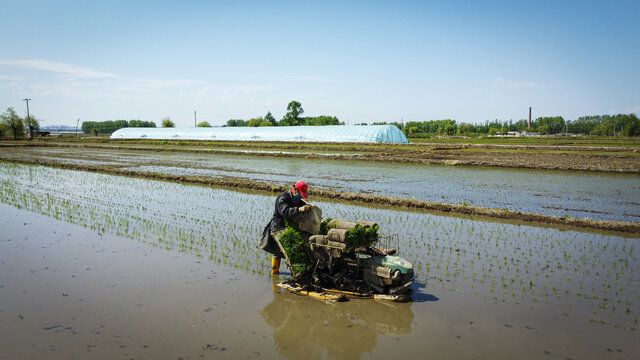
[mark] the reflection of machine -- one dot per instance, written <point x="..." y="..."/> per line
<point x="369" y="270"/>
<point x="302" y="329"/>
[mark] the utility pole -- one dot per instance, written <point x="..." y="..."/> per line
<point x="194" y="119"/>
<point x="77" y="122"/>
<point x="29" y="119"/>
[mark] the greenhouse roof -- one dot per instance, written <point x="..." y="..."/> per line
<point x="335" y="133"/>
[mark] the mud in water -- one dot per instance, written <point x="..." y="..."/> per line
<point x="93" y="265"/>
<point x="614" y="159"/>
<point x="172" y="287"/>
<point x="363" y="198"/>
<point x="559" y="193"/>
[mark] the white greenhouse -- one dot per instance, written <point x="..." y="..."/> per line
<point x="337" y="133"/>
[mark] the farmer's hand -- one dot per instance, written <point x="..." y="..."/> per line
<point x="305" y="208"/>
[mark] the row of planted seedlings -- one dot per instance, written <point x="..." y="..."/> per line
<point x="579" y="274"/>
<point x="222" y="225"/>
<point x="558" y="196"/>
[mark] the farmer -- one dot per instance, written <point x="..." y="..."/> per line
<point x="289" y="205"/>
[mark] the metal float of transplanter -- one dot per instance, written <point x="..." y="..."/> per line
<point x="370" y="271"/>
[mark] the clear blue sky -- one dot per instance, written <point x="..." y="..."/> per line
<point x="363" y="61"/>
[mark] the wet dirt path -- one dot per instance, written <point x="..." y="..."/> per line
<point x="620" y="159"/>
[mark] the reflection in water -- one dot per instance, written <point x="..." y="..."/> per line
<point x="315" y="329"/>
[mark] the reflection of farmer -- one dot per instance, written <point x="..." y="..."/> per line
<point x="289" y="205"/>
<point x="303" y="329"/>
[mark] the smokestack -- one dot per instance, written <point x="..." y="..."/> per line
<point x="529" y="117"/>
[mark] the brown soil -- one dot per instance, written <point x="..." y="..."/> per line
<point x="543" y="157"/>
<point x="358" y="198"/>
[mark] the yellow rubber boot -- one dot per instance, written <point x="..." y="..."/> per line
<point x="275" y="265"/>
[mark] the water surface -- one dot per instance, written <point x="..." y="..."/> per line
<point x="576" y="194"/>
<point x="94" y="265"/>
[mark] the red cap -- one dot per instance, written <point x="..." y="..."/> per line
<point x="302" y="187"/>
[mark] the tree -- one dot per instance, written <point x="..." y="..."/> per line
<point x="109" y="126"/>
<point x="449" y="129"/>
<point x="520" y="125"/>
<point x="236" y="123"/>
<point x="543" y="130"/>
<point x="140" y="123"/>
<point x="321" y="120"/>
<point x="269" y="118"/>
<point x="292" y="117"/>
<point x="554" y="124"/>
<point x="603" y="129"/>
<point x="167" y="123"/>
<point x="35" y="123"/>
<point x="203" y="124"/>
<point x="465" y="128"/>
<point x="255" y="122"/>
<point x="13" y="123"/>
<point x="630" y="125"/>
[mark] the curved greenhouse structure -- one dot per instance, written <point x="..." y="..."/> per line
<point x="336" y="133"/>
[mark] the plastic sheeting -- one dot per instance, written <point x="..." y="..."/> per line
<point x="337" y="133"/>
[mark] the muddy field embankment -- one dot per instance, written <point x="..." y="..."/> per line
<point x="613" y="159"/>
<point x="359" y="198"/>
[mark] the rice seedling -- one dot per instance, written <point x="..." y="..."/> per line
<point x="459" y="254"/>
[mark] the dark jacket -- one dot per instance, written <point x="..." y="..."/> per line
<point x="286" y="208"/>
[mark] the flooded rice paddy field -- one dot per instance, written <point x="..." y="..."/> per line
<point x="94" y="265"/>
<point x="599" y="196"/>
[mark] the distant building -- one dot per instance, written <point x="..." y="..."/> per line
<point x="511" y="134"/>
<point x="59" y="129"/>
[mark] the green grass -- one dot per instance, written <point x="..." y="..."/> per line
<point x="551" y="140"/>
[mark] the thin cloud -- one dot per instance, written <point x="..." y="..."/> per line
<point x="13" y="83"/>
<point x="633" y="109"/>
<point x="628" y="110"/>
<point x="295" y="77"/>
<point x="102" y="93"/>
<point x="252" y="88"/>
<point x="4" y="78"/>
<point x="57" y="67"/>
<point x="138" y="84"/>
<point x="277" y="77"/>
<point x="514" y="84"/>
<point x="167" y="83"/>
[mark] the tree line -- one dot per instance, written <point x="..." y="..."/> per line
<point x="16" y="127"/>
<point x="599" y="125"/>
<point x="291" y="118"/>
<point x="109" y="126"/>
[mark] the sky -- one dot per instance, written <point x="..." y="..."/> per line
<point x="362" y="61"/>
